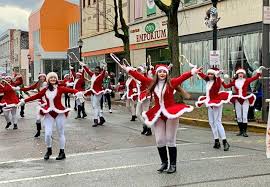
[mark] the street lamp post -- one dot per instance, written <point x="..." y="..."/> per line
<point x="214" y="2"/>
<point x="80" y="44"/>
<point x="29" y="65"/>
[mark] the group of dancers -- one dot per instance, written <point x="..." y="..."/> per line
<point x="143" y="86"/>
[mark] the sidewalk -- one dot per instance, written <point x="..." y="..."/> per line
<point x="228" y="125"/>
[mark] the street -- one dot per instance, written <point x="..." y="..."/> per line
<point x="116" y="154"/>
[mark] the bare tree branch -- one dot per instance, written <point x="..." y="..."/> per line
<point x="162" y="6"/>
<point x="115" y="27"/>
<point x="175" y="5"/>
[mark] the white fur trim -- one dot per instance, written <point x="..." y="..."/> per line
<point x="42" y="74"/>
<point x="206" y="101"/>
<point x="211" y="71"/>
<point x="8" y="107"/>
<point x="240" y="71"/>
<point x="154" y="120"/>
<point x="51" y="74"/>
<point x="246" y="97"/>
<point x="162" y="68"/>
<point x="51" y="109"/>
<point x="96" y="93"/>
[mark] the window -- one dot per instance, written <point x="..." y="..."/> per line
<point x="190" y="2"/>
<point x="138" y="9"/>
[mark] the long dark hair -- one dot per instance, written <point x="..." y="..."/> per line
<point x="208" y="79"/>
<point x="179" y="89"/>
<point x="51" y="87"/>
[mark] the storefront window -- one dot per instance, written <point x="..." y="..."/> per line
<point x="159" y="55"/>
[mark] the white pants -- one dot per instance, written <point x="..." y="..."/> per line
<point x="130" y="104"/>
<point x="214" y="117"/>
<point x="242" y="111"/>
<point x="96" y="105"/>
<point x="11" y="115"/>
<point x="48" y="123"/>
<point x="165" y="132"/>
<point x="142" y="107"/>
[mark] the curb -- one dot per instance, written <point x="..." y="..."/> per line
<point x="230" y="126"/>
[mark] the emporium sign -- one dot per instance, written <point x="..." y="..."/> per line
<point x="149" y="32"/>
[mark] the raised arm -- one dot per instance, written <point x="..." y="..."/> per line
<point x="88" y="71"/>
<point x="72" y="72"/>
<point x="68" y="90"/>
<point x="138" y="76"/>
<point x="179" y="80"/>
<point x="202" y="75"/>
<point x="18" y="81"/>
<point x="39" y="95"/>
<point x="229" y="85"/>
<point x="28" y="88"/>
<point x="255" y="77"/>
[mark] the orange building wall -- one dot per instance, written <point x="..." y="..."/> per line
<point x="55" y="17"/>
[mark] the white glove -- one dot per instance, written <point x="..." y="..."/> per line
<point x="79" y="95"/>
<point x="70" y="84"/>
<point x="82" y="64"/>
<point x="70" y="67"/>
<point x="195" y="70"/>
<point x="259" y="70"/>
<point x="16" y="88"/>
<point x="226" y="76"/>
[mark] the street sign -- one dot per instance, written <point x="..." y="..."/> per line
<point x="214" y="58"/>
<point x="266" y="15"/>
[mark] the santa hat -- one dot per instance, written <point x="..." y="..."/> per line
<point x="78" y="73"/>
<point x="50" y="75"/>
<point x="240" y="70"/>
<point x="66" y="75"/>
<point x="164" y="67"/>
<point x="41" y="74"/>
<point x="8" y="77"/>
<point x="214" y="71"/>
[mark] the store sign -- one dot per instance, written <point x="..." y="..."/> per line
<point x="214" y="58"/>
<point x="149" y="32"/>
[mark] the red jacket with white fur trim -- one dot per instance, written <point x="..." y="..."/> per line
<point x="214" y="97"/>
<point x="78" y="83"/>
<point x="96" y="81"/>
<point x="53" y="100"/>
<point x="10" y="98"/>
<point x="241" y="89"/>
<point x="132" y="89"/>
<point x="165" y="106"/>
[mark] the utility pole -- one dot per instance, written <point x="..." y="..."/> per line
<point x="214" y="2"/>
<point x="265" y="62"/>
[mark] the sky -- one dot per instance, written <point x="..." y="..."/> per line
<point x="14" y="13"/>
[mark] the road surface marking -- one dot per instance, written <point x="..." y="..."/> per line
<point x="109" y="169"/>
<point x="91" y="153"/>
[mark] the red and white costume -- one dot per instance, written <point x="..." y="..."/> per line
<point x="241" y="88"/>
<point x="214" y="100"/>
<point x="214" y="97"/>
<point x="79" y="83"/>
<point x="163" y="108"/>
<point x="241" y="98"/>
<point x="96" y="81"/>
<point x="96" y="90"/>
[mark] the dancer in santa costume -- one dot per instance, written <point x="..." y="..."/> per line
<point x="131" y="96"/>
<point x="39" y="85"/>
<point x="10" y="100"/>
<point x="68" y="82"/>
<point x="143" y="103"/>
<point x="241" y="99"/>
<point x="164" y="115"/>
<point x="79" y="84"/>
<point x="53" y="112"/>
<point x="96" y="91"/>
<point x="214" y="101"/>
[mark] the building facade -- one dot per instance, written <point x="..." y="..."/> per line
<point x="50" y="37"/>
<point x="239" y="37"/>
<point x="14" y="46"/>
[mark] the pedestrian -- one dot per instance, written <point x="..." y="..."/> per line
<point x="96" y="91"/>
<point x="164" y="115"/>
<point x="79" y="84"/>
<point x="53" y="112"/>
<point x="143" y="103"/>
<point x="241" y="98"/>
<point x="10" y="100"/>
<point x="214" y="101"/>
<point x="107" y="86"/>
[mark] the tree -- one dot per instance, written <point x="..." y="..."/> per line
<point x="171" y="12"/>
<point x="124" y="36"/>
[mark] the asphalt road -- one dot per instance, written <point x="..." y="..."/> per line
<point x="118" y="155"/>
